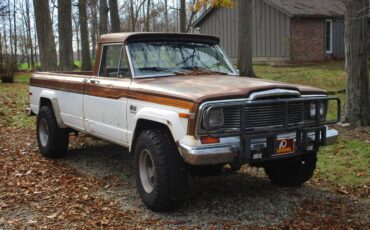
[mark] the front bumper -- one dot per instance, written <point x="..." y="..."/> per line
<point x="228" y="152"/>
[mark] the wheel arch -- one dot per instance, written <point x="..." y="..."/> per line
<point x="149" y="118"/>
<point x="145" y="124"/>
<point x="48" y="98"/>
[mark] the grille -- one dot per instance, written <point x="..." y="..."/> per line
<point x="267" y="115"/>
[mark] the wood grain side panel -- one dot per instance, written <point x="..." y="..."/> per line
<point x="106" y="91"/>
<point x="75" y="87"/>
<point x="192" y="121"/>
<point x="109" y="92"/>
<point x="160" y="100"/>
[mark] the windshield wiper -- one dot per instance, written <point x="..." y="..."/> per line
<point x="161" y="69"/>
<point x="204" y="70"/>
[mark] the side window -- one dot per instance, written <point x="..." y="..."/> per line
<point x="124" y="70"/>
<point x="110" y="61"/>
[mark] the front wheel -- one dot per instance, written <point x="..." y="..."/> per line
<point x="52" y="140"/>
<point x="161" y="175"/>
<point x="292" y="174"/>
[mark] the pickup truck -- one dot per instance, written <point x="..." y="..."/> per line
<point x="177" y="103"/>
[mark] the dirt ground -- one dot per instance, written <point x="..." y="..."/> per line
<point x="94" y="187"/>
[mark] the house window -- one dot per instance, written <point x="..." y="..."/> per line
<point x="329" y="36"/>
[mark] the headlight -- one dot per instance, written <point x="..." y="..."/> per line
<point x="321" y="109"/>
<point x="216" y="118"/>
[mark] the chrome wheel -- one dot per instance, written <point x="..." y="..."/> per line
<point x="43" y="132"/>
<point x="147" y="171"/>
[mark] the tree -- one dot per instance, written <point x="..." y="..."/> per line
<point x="27" y="22"/>
<point x="166" y="15"/>
<point x="245" y="38"/>
<point x="76" y="30"/>
<point x="45" y="35"/>
<point x="65" y="35"/>
<point x="103" y="17"/>
<point x="114" y="16"/>
<point x="15" y="28"/>
<point x="357" y="108"/>
<point x="134" y="13"/>
<point x="182" y="16"/>
<point x="85" y="47"/>
<point x="147" y="18"/>
<point x="93" y="6"/>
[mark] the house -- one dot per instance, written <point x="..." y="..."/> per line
<point x="283" y="30"/>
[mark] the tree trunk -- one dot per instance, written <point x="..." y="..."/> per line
<point x="65" y="35"/>
<point x="245" y="38"/>
<point x="132" y="16"/>
<point x="182" y="16"/>
<point x="85" y="47"/>
<point x="94" y="25"/>
<point x="24" y="46"/>
<point x="147" y="18"/>
<point x="93" y="5"/>
<point x="114" y="16"/>
<point x="154" y="24"/>
<point x="191" y="18"/>
<point x="15" y="28"/>
<point x="29" y="35"/>
<point x="77" y="31"/>
<point x="37" y="54"/>
<point x="357" y="108"/>
<point x="166" y="15"/>
<point x="103" y="17"/>
<point x="10" y="29"/>
<point x="4" y="38"/>
<point x="45" y="35"/>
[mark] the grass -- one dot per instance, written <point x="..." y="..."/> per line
<point x="345" y="163"/>
<point x="25" y="67"/>
<point x="13" y="101"/>
<point x="329" y="76"/>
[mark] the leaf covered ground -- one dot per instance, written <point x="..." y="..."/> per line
<point x="94" y="187"/>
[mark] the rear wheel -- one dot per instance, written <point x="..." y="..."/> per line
<point x="52" y="140"/>
<point x="161" y="175"/>
<point x="294" y="173"/>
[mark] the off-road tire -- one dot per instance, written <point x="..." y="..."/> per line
<point x="170" y="174"/>
<point x="57" y="141"/>
<point x="293" y="174"/>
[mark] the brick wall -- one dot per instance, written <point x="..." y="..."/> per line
<point x="308" y="43"/>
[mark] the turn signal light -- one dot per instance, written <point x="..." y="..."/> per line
<point x="209" y="140"/>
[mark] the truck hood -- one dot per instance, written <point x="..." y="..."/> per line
<point x="211" y="87"/>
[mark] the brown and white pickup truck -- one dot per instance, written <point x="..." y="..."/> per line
<point x="177" y="103"/>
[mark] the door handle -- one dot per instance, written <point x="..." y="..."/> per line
<point x="93" y="81"/>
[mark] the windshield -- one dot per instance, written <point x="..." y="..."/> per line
<point x="151" y="59"/>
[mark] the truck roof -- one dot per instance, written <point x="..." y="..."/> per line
<point x="156" y="36"/>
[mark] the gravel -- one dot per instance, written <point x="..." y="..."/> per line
<point x="231" y="200"/>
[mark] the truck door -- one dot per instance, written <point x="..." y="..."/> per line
<point x="105" y="97"/>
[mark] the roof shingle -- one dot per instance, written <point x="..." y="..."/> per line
<point x="311" y="8"/>
<point x="299" y="8"/>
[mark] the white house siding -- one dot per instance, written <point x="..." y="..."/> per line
<point x="271" y="31"/>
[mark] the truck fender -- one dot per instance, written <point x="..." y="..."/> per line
<point x="48" y="94"/>
<point x="168" y="118"/>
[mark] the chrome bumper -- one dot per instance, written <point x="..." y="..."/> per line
<point x="226" y="153"/>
